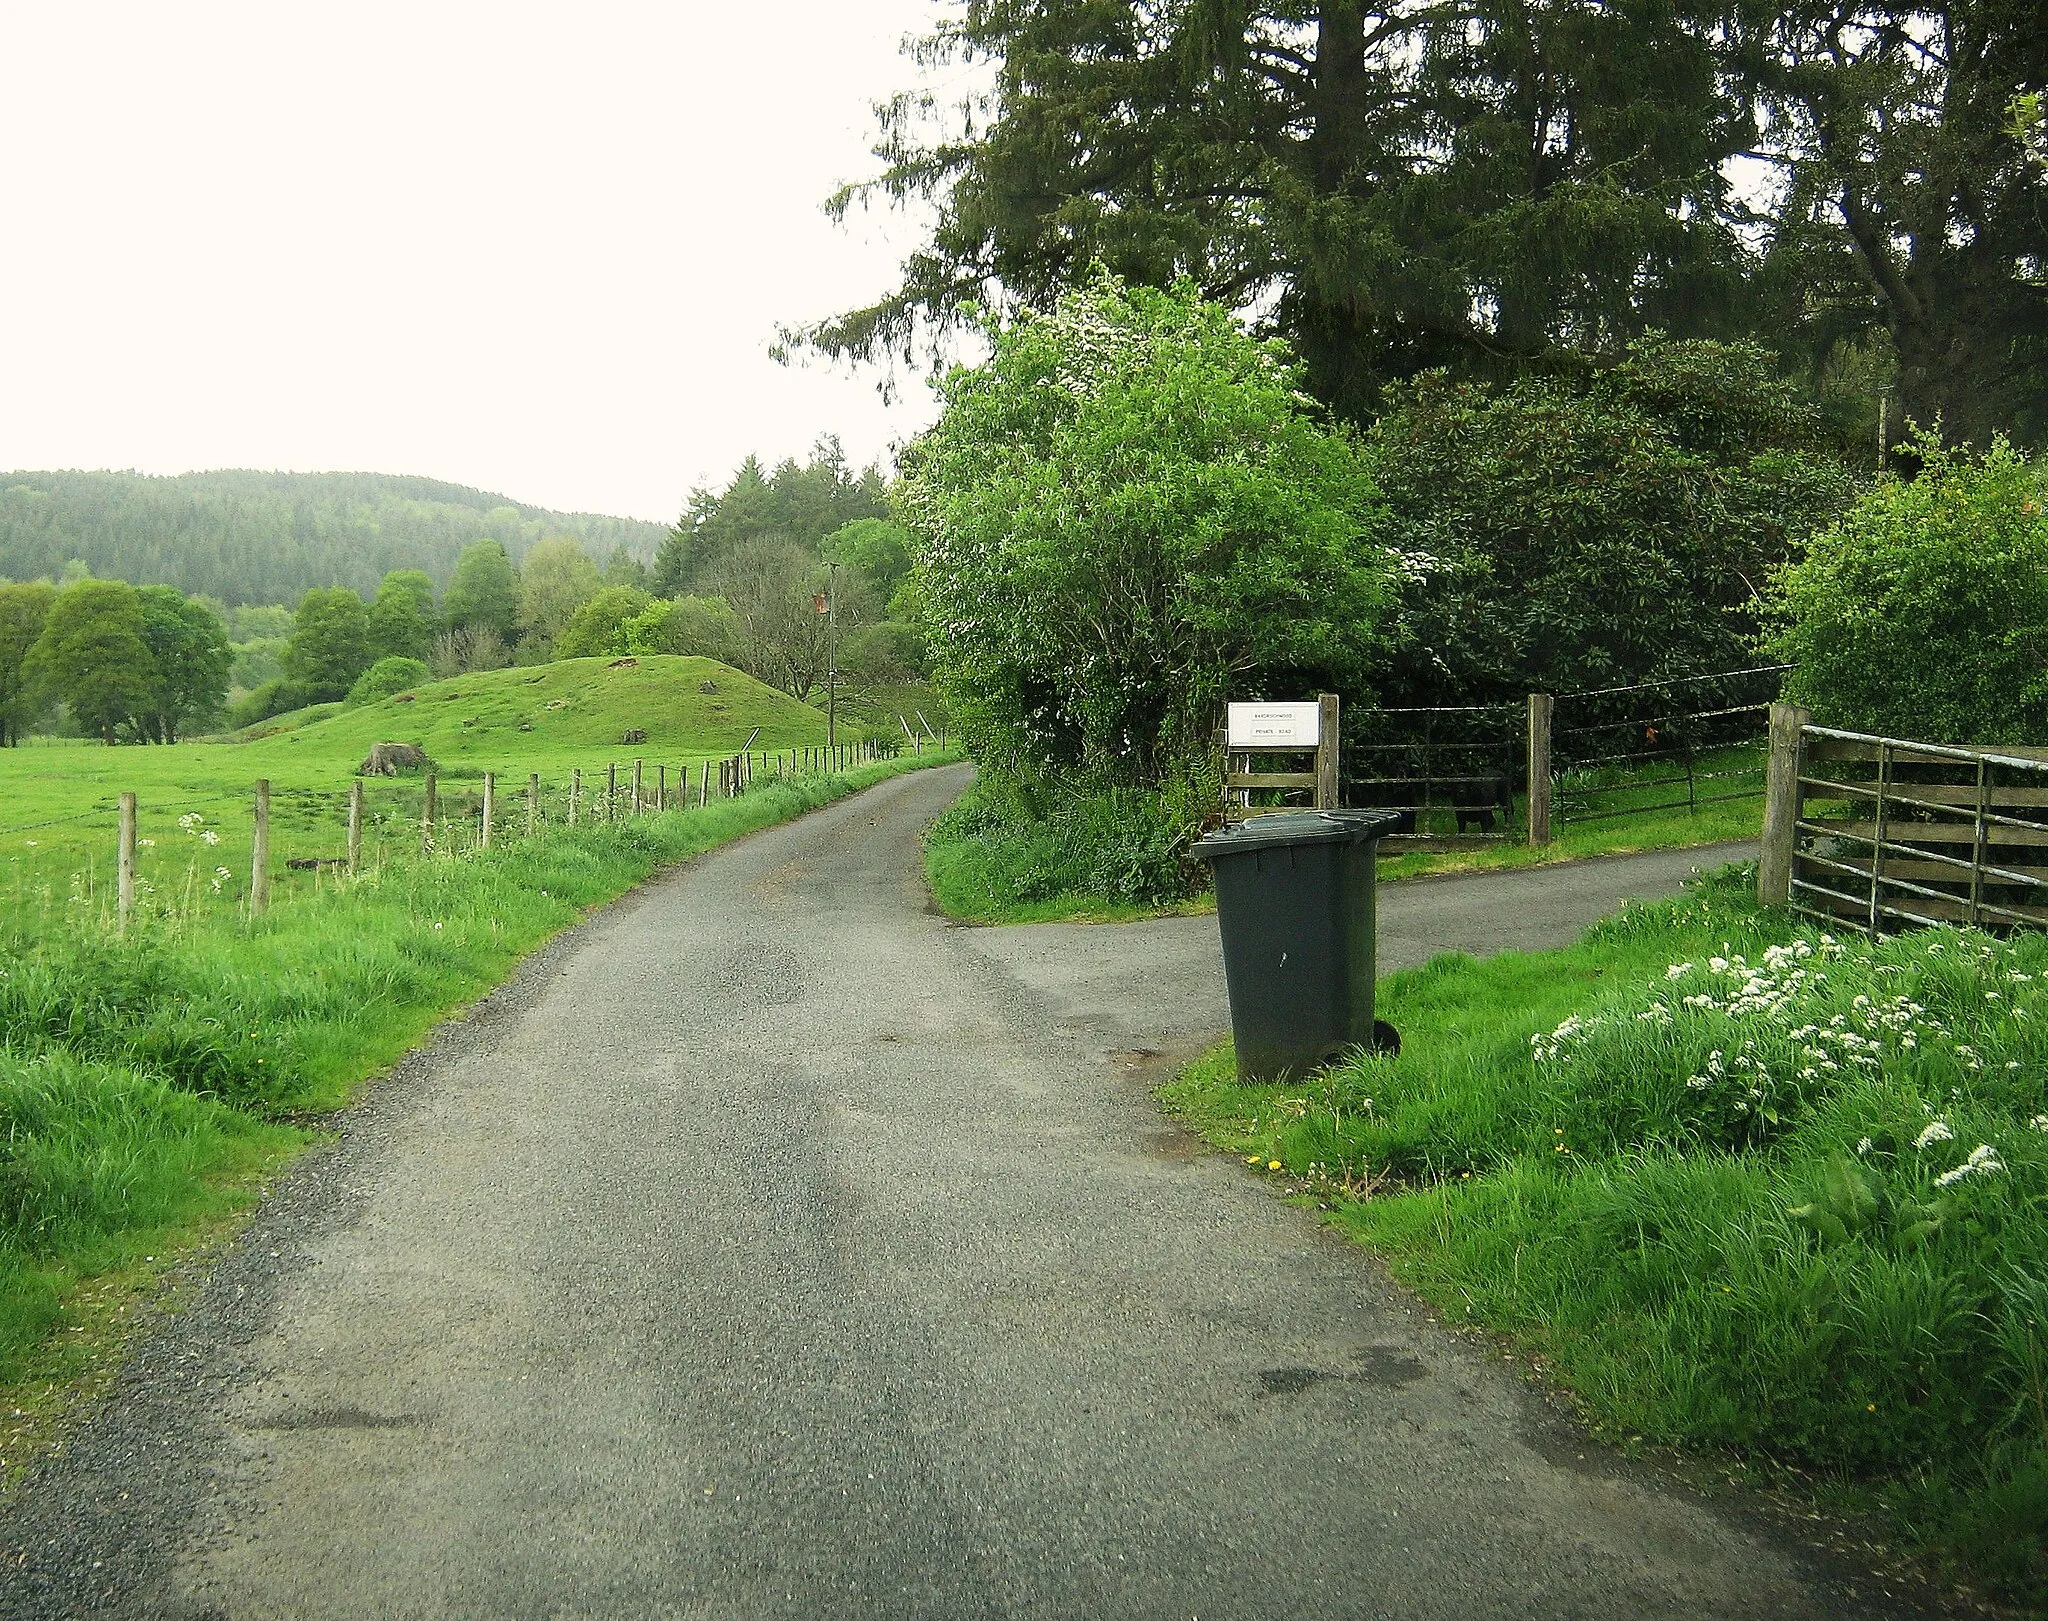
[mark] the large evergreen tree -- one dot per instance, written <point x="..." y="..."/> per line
<point x="1405" y="185"/>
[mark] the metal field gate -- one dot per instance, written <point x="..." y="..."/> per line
<point x="1888" y="833"/>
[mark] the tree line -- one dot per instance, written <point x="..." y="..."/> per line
<point x="1406" y="187"/>
<point x="254" y="537"/>
<point x="743" y="577"/>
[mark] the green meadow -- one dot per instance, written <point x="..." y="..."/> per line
<point x="59" y="799"/>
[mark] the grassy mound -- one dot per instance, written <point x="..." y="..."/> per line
<point x="58" y="799"/>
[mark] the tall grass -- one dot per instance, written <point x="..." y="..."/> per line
<point x="145" y="1081"/>
<point x="1752" y="1188"/>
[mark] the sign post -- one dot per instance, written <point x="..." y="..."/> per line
<point x="1281" y="728"/>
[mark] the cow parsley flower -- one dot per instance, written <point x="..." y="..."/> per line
<point x="1934" y="1132"/>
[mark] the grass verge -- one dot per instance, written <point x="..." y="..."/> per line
<point x="1748" y="1190"/>
<point x="150" y="1085"/>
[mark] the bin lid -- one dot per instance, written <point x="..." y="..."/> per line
<point x="1295" y="827"/>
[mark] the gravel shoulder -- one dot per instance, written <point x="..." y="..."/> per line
<point x="772" y="1247"/>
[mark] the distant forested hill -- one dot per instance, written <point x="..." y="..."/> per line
<point x="268" y="537"/>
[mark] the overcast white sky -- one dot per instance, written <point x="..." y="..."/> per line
<point x="541" y="249"/>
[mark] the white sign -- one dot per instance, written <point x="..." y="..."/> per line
<point x="1275" y="726"/>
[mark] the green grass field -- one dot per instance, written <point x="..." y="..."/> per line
<point x="1748" y="1191"/>
<point x="59" y="799"/>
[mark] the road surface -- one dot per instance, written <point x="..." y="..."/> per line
<point x="772" y="1247"/>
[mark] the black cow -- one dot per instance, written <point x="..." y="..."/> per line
<point x="1477" y="799"/>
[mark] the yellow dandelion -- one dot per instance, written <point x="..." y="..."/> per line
<point x="1272" y="1165"/>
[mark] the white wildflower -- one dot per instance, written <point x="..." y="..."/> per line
<point x="1934" y="1132"/>
<point x="1863" y="1145"/>
<point x="1983" y="1161"/>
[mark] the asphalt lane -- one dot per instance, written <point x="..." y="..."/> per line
<point x="773" y="1247"/>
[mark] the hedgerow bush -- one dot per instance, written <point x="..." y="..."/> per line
<point x="1924" y="611"/>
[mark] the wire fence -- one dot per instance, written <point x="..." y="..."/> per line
<point x="180" y="857"/>
<point x="1460" y="775"/>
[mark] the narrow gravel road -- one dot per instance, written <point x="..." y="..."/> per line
<point x="772" y="1247"/>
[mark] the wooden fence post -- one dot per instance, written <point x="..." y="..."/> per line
<point x="532" y="803"/>
<point x="430" y="807"/>
<point x="259" y="855"/>
<point x="490" y="804"/>
<point x="355" y="826"/>
<point x="575" y="793"/>
<point x="1540" y="704"/>
<point x="703" y="786"/>
<point x="1328" y="783"/>
<point x="1782" y="803"/>
<point x="126" y="888"/>
<point x="611" y="790"/>
<point x="638" y="774"/>
<point x="661" y="788"/>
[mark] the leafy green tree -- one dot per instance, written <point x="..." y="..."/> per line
<point x="881" y="550"/>
<point x="402" y="619"/>
<point x="596" y="624"/>
<point x="774" y="586"/>
<point x="484" y="594"/>
<point x="23" y="608"/>
<point x="91" y="657"/>
<point x="1125" y="517"/>
<point x="330" y="643"/>
<point x="623" y="568"/>
<point x="556" y="579"/>
<point x="386" y="679"/>
<point x="705" y="627"/>
<point x="190" y="663"/>
<point x="1924" y="612"/>
<point x="797" y="503"/>
<point x="1594" y="527"/>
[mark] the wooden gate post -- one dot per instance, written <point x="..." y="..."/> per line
<point x="1327" y="789"/>
<point x="1540" y="704"/>
<point x="1782" y="804"/>
<point x="259" y="854"/>
<point x="126" y="901"/>
<point x="355" y="826"/>
<point x="532" y="802"/>
<point x="430" y="808"/>
<point x="490" y="805"/>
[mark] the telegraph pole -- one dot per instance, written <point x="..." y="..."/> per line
<point x="832" y="655"/>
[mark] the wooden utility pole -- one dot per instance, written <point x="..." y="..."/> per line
<point x="1782" y="798"/>
<point x="126" y="897"/>
<point x="429" y="810"/>
<point x="490" y="804"/>
<point x="1540" y="704"/>
<point x="259" y="855"/>
<point x="532" y="803"/>
<point x="355" y="826"/>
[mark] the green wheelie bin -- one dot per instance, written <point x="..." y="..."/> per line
<point x="1294" y="898"/>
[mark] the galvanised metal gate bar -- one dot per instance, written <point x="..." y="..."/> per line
<point x="1928" y="833"/>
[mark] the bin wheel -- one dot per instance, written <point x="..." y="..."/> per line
<point x="1386" y="1039"/>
